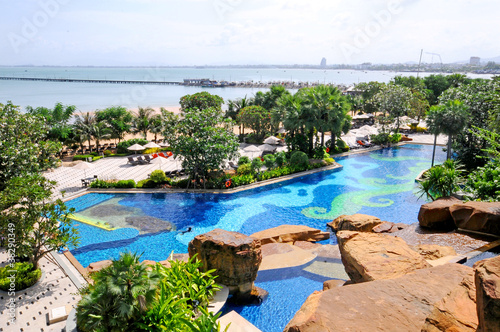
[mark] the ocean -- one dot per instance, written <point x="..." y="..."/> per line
<point x="94" y="96"/>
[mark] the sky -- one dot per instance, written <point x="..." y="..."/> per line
<point x="245" y="32"/>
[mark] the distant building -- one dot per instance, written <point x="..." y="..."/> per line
<point x="323" y="62"/>
<point x="475" y="61"/>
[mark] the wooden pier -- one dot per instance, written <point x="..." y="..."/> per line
<point x="81" y="80"/>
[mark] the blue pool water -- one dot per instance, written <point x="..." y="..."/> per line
<point x="379" y="183"/>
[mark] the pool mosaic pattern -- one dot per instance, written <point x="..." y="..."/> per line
<point x="379" y="183"/>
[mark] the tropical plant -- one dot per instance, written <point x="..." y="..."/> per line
<point x="269" y="161"/>
<point x="441" y="180"/>
<point x="56" y="119"/>
<point x="119" y="295"/>
<point x="122" y="146"/>
<point x="24" y="148"/>
<point x="256" y="164"/>
<point x="201" y="101"/>
<point x="118" y="119"/>
<point x="233" y="109"/>
<point x="158" y="176"/>
<point x="243" y="160"/>
<point x="41" y="225"/>
<point x="83" y="126"/>
<point x="156" y="125"/>
<point x="24" y="276"/>
<point x="300" y="159"/>
<point x="394" y="101"/>
<point x="169" y="120"/>
<point x="141" y="122"/>
<point x="256" y="118"/>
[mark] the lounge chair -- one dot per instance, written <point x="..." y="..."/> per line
<point x="147" y="158"/>
<point x="132" y="161"/>
<point x="232" y="165"/>
<point x="142" y="161"/>
<point x="162" y="155"/>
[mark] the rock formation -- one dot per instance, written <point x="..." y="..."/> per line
<point x="477" y="216"/>
<point x="487" y="279"/>
<point x="290" y="234"/>
<point x="235" y="256"/>
<point x="400" y="304"/>
<point x="434" y="251"/>
<point x="370" y="256"/>
<point x="436" y="215"/>
<point x="356" y="222"/>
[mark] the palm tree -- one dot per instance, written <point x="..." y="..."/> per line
<point x="448" y="119"/>
<point x="234" y="108"/>
<point x="119" y="295"/>
<point x="142" y="121"/>
<point x="291" y="107"/>
<point x="156" y="125"/>
<point x="100" y="131"/>
<point x="83" y="126"/>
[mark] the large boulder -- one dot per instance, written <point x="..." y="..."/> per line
<point x="400" y="304"/>
<point x="235" y="256"/>
<point x="456" y="311"/>
<point x="290" y="234"/>
<point x="355" y="222"/>
<point x="487" y="279"/>
<point x="477" y="216"/>
<point x="434" y="251"/>
<point x="371" y="256"/>
<point x="436" y="215"/>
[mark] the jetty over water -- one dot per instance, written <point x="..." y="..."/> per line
<point x="81" y="80"/>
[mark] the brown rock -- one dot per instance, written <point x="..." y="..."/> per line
<point x="487" y="279"/>
<point x="436" y="215"/>
<point x="307" y="245"/>
<point x="235" y="256"/>
<point x="434" y="251"/>
<point x="400" y="304"/>
<point x="477" y="216"/>
<point x="97" y="266"/>
<point x="370" y="256"/>
<point x="329" y="284"/>
<point x="456" y="311"/>
<point x="384" y="227"/>
<point x="356" y="222"/>
<point x="290" y="234"/>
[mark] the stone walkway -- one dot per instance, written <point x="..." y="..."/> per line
<point x="32" y="305"/>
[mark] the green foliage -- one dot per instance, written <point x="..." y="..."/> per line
<point x="182" y="299"/>
<point x="441" y="180"/>
<point x="329" y="161"/>
<point x="24" y="276"/>
<point x="394" y="101"/>
<point x="299" y="158"/>
<point x="41" y="225"/>
<point x="395" y="138"/>
<point x="320" y="153"/>
<point x="158" y="176"/>
<point x="101" y="184"/>
<point x="256" y="118"/>
<point x="241" y="180"/>
<point x="269" y="161"/>
<point x="57" y="120"/>
<point x="125" y="184"/>
<point x="151" y="150"/>
<point x="256" y="164"/>
<point x="201" y="101"/>
<point x="83" y="157"/>
<point x="244" y="169"/>
<point x="280" y="158"/>
<point x="205" y="140"/>
<point x="24" y="148"/>
<point x="119" y="295"/>
<point x="118" y="119"/>
<point x="484" y="182"/>
<point x="142" y="121"/>
<point x="147" y="183"/>
<point x="122" y="146"/>
<point x="243" y="160"/>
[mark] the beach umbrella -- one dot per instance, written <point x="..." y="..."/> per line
<point x="282" y="130"/>
<point x="136" y="147"/>
<point x="158" y="160"/>
<point x="252" y="148"/>
<point x="152" y="145"/>
<point x="267" y="147"/>
<point x="272" y="140"/>
<point x="163" y="144"/>
<point x="85" y="166"/>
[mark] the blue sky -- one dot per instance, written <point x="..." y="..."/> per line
<point x="219" y="32"/>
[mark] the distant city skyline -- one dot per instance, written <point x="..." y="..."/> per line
<point x="237" y="32"/>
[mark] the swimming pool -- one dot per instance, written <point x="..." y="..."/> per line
<point x="379" y="183"/>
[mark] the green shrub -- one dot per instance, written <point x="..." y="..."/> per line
<point x="243" y="160"/>
<point x="341" y="145"/>
<point x="146" y="183"/>
<point x="317" y="165"/>
<point x="320" y="153"/>
<point x="151" y="150"/>
<point x="244" y="169"/>
<point x="96" y="158"/>
<point x="25" y="276"/>
<point x="381" y="139"/>
<point x="107" y="153"/>
<point x="280" y="158"/>
<point x="241" y="180"/>
<point x="122" y="146"/>
<point x="158" y="176"/>
<point x="441" y="180"/>
<point x="269" y="161"/>
<point x="395" y="138"/>
<point x="484" y="182"/>
<point x="257" y="164"/>
<point x="182" y="183"/>
<point x="300" y="159"/>
<point x="125" y="184"/>
<point x="101" y="184"/>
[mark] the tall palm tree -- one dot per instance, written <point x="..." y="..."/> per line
<point x="156" y="125"/>
<point x="83" y="126"/>
<point x="234" y="108"/>
<point x="100" y="131"/>
<point x="142" y="121"/>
